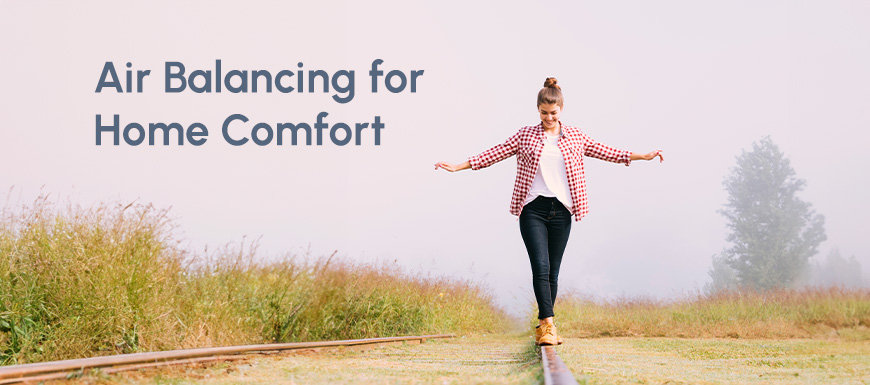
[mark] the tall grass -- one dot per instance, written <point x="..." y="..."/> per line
<point x="78" y="282"/>
<point x="803" y="313"/>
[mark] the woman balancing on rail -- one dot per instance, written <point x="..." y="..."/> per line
<point x="550" y="187"/>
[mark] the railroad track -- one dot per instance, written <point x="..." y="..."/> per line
<point x="554" y="370"/>
<point x="43" y="371"/>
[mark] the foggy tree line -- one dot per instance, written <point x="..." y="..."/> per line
<point x="773" y="233"/>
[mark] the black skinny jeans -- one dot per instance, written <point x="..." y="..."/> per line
<point x="545" y="224"/>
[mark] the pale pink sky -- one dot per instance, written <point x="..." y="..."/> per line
<point x="700" y="80"/>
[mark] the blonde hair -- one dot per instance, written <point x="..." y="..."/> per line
<point x="551" y="93"/>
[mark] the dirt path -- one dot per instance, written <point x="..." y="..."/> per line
<point x="506" y="359"/>
<point x="461" y="360"/>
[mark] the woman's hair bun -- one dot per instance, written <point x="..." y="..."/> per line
<point x="551" y="93"/>
<point x="551" y="82"/>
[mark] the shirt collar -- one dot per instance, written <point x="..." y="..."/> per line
<point x="541" y="129"/>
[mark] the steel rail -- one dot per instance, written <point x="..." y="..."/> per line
<point x="555" y="371"/>
<point x="42" y="371"/>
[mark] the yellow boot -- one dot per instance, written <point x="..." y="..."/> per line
<point x="539" y="332"/>
<point x="546" y="335"/>
<point x="558" y="337"/>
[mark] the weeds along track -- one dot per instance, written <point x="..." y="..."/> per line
<point x="43" y="371"/>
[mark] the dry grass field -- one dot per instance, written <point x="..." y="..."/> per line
<point x="79" y="282"/>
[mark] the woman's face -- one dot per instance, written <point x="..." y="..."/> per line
<point x="550" y="115"/>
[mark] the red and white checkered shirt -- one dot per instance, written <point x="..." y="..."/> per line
<point x="527" y="144"/>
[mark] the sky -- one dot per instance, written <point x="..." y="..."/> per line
<point x="700" y="80"/>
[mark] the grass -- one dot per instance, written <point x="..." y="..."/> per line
<point x="644" y="360"/>
<point x="804" y="313"/>
<point x="78" y="282"/>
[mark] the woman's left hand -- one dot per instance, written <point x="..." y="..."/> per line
<point x="653" y="155"/>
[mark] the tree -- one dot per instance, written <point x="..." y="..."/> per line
<point x="773" y="232"/>
<point x="836" y="271"/>
<point x="722" y="276"/>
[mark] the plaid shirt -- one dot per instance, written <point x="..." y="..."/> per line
<point x="527" y="144"/>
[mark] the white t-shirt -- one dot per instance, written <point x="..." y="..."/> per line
<point x="551" y="178"/>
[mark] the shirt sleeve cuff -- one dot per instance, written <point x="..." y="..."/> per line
<point x="626" y="158"/>
<point x="475" y="162"/>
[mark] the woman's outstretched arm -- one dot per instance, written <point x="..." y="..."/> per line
<point x="602" y="151"/>
<point x="487" y="158"/>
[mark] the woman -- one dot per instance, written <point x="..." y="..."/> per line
<point x="550" y="187"/>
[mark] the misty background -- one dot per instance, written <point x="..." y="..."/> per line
<point x="699" y="80"/>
